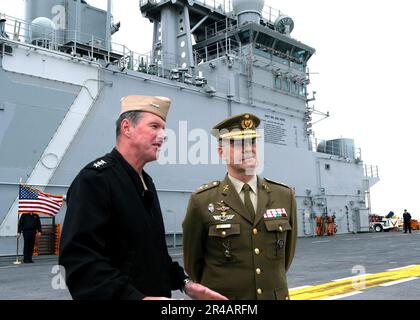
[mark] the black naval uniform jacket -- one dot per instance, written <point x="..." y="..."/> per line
<point x="29" y="223"/>
<point x="113" y="239"/>
<point x="228" y="251"/>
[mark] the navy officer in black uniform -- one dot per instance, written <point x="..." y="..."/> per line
<point x="113" y="240"/>
<point x="30" y="226"/>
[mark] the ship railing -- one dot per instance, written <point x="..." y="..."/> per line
<point x="219" y="27"/>
<point x="17" y="29"/>
<point x="76" y="43"/>
<point x="217" y="50"/>
<point x="223" y="6"/>
<point x="50" y="38"/>
<point x="166" y="66"/>
<point x="336" y="148"/>
<point x="22" y="31"/>
<point x="371" y="171"/>
<point x="269" y="13"/>
<point x="280" y="57"/>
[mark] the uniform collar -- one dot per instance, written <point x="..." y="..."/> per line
<point x="231" y="198"/>
<point x="148" y="182"/>
<point x="238" y="184"/>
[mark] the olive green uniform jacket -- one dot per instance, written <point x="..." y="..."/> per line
<point x="227" y="251"/>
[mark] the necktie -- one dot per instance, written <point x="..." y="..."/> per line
<point x="247" y="201"/>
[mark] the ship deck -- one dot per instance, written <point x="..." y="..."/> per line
<point x="387" y="264"/>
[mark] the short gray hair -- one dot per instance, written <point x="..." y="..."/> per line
<point x="132" y="116"/>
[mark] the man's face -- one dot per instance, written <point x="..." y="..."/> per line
<point x="147" y="137"/>
<point x="240" y="155"/>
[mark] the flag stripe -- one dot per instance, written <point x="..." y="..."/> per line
<point x="27" y="205"/>
<point x="49" y="202"/>
<point x="58" y="198"/>
<point x="32" y="200"/>
<point x="32" y="209"/>
<point x="41" y="201"/>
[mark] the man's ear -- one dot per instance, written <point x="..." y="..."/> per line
<point x="125" y="128"/>
<point x="220" y="150"/>
<point x="223" y="151"/>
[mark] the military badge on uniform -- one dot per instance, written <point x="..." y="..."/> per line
<point x="223" y="226"/>
<point x="222" y="207"/>
<point x="211" y="207"/>
<point x="99" y="163"/>
<point x="224" y="217"/>
<point x="223" y="212"/>
<point x="226" y="252"/>
<point x="275" y="213"/>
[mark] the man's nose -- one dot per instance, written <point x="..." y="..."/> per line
<point x="247" y="146"/>
<point x="162" y="135"/>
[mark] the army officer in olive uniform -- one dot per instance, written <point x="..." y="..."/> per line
<point x="240" y="233"/>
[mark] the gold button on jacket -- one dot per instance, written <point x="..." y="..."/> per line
<point x="226" y="255"/>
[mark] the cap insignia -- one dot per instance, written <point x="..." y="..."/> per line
<point x="247" y="124"/>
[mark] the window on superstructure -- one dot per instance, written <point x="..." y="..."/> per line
<point x="244" y="36"/>
<point x="277" y="83"/>
<point x="265" y="40"/>
<point x="297" y="66"/>
<point x="302" y="90"/>
<point x="295" y="88"/>
<point x="283" y="47"/>
<point x="299" y="54"/>
<point x="285" y="85"/>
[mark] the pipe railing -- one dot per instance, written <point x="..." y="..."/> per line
<point x="268" y="13"/>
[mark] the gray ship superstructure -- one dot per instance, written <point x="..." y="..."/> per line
<point x="61" y="80"/>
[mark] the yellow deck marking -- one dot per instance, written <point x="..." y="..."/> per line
<point x="358" y="283"/>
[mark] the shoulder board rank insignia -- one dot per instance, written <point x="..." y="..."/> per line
<point x="278" y="183"/>
<point x="100" y="164"/>
<point x="207" y="186"/>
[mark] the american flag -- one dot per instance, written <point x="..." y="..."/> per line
<point x="35" y="201"/>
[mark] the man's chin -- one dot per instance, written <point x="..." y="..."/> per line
<point x="249" y="169"/>
<point x="153" y="157"/>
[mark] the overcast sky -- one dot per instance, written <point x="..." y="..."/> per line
<point x="366" y="75"/>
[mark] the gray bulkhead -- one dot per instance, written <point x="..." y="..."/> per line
<point x="251" y="78"/>
<point x="31" y="110"/>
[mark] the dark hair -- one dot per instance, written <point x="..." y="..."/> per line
<point x="132" y="116"/>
